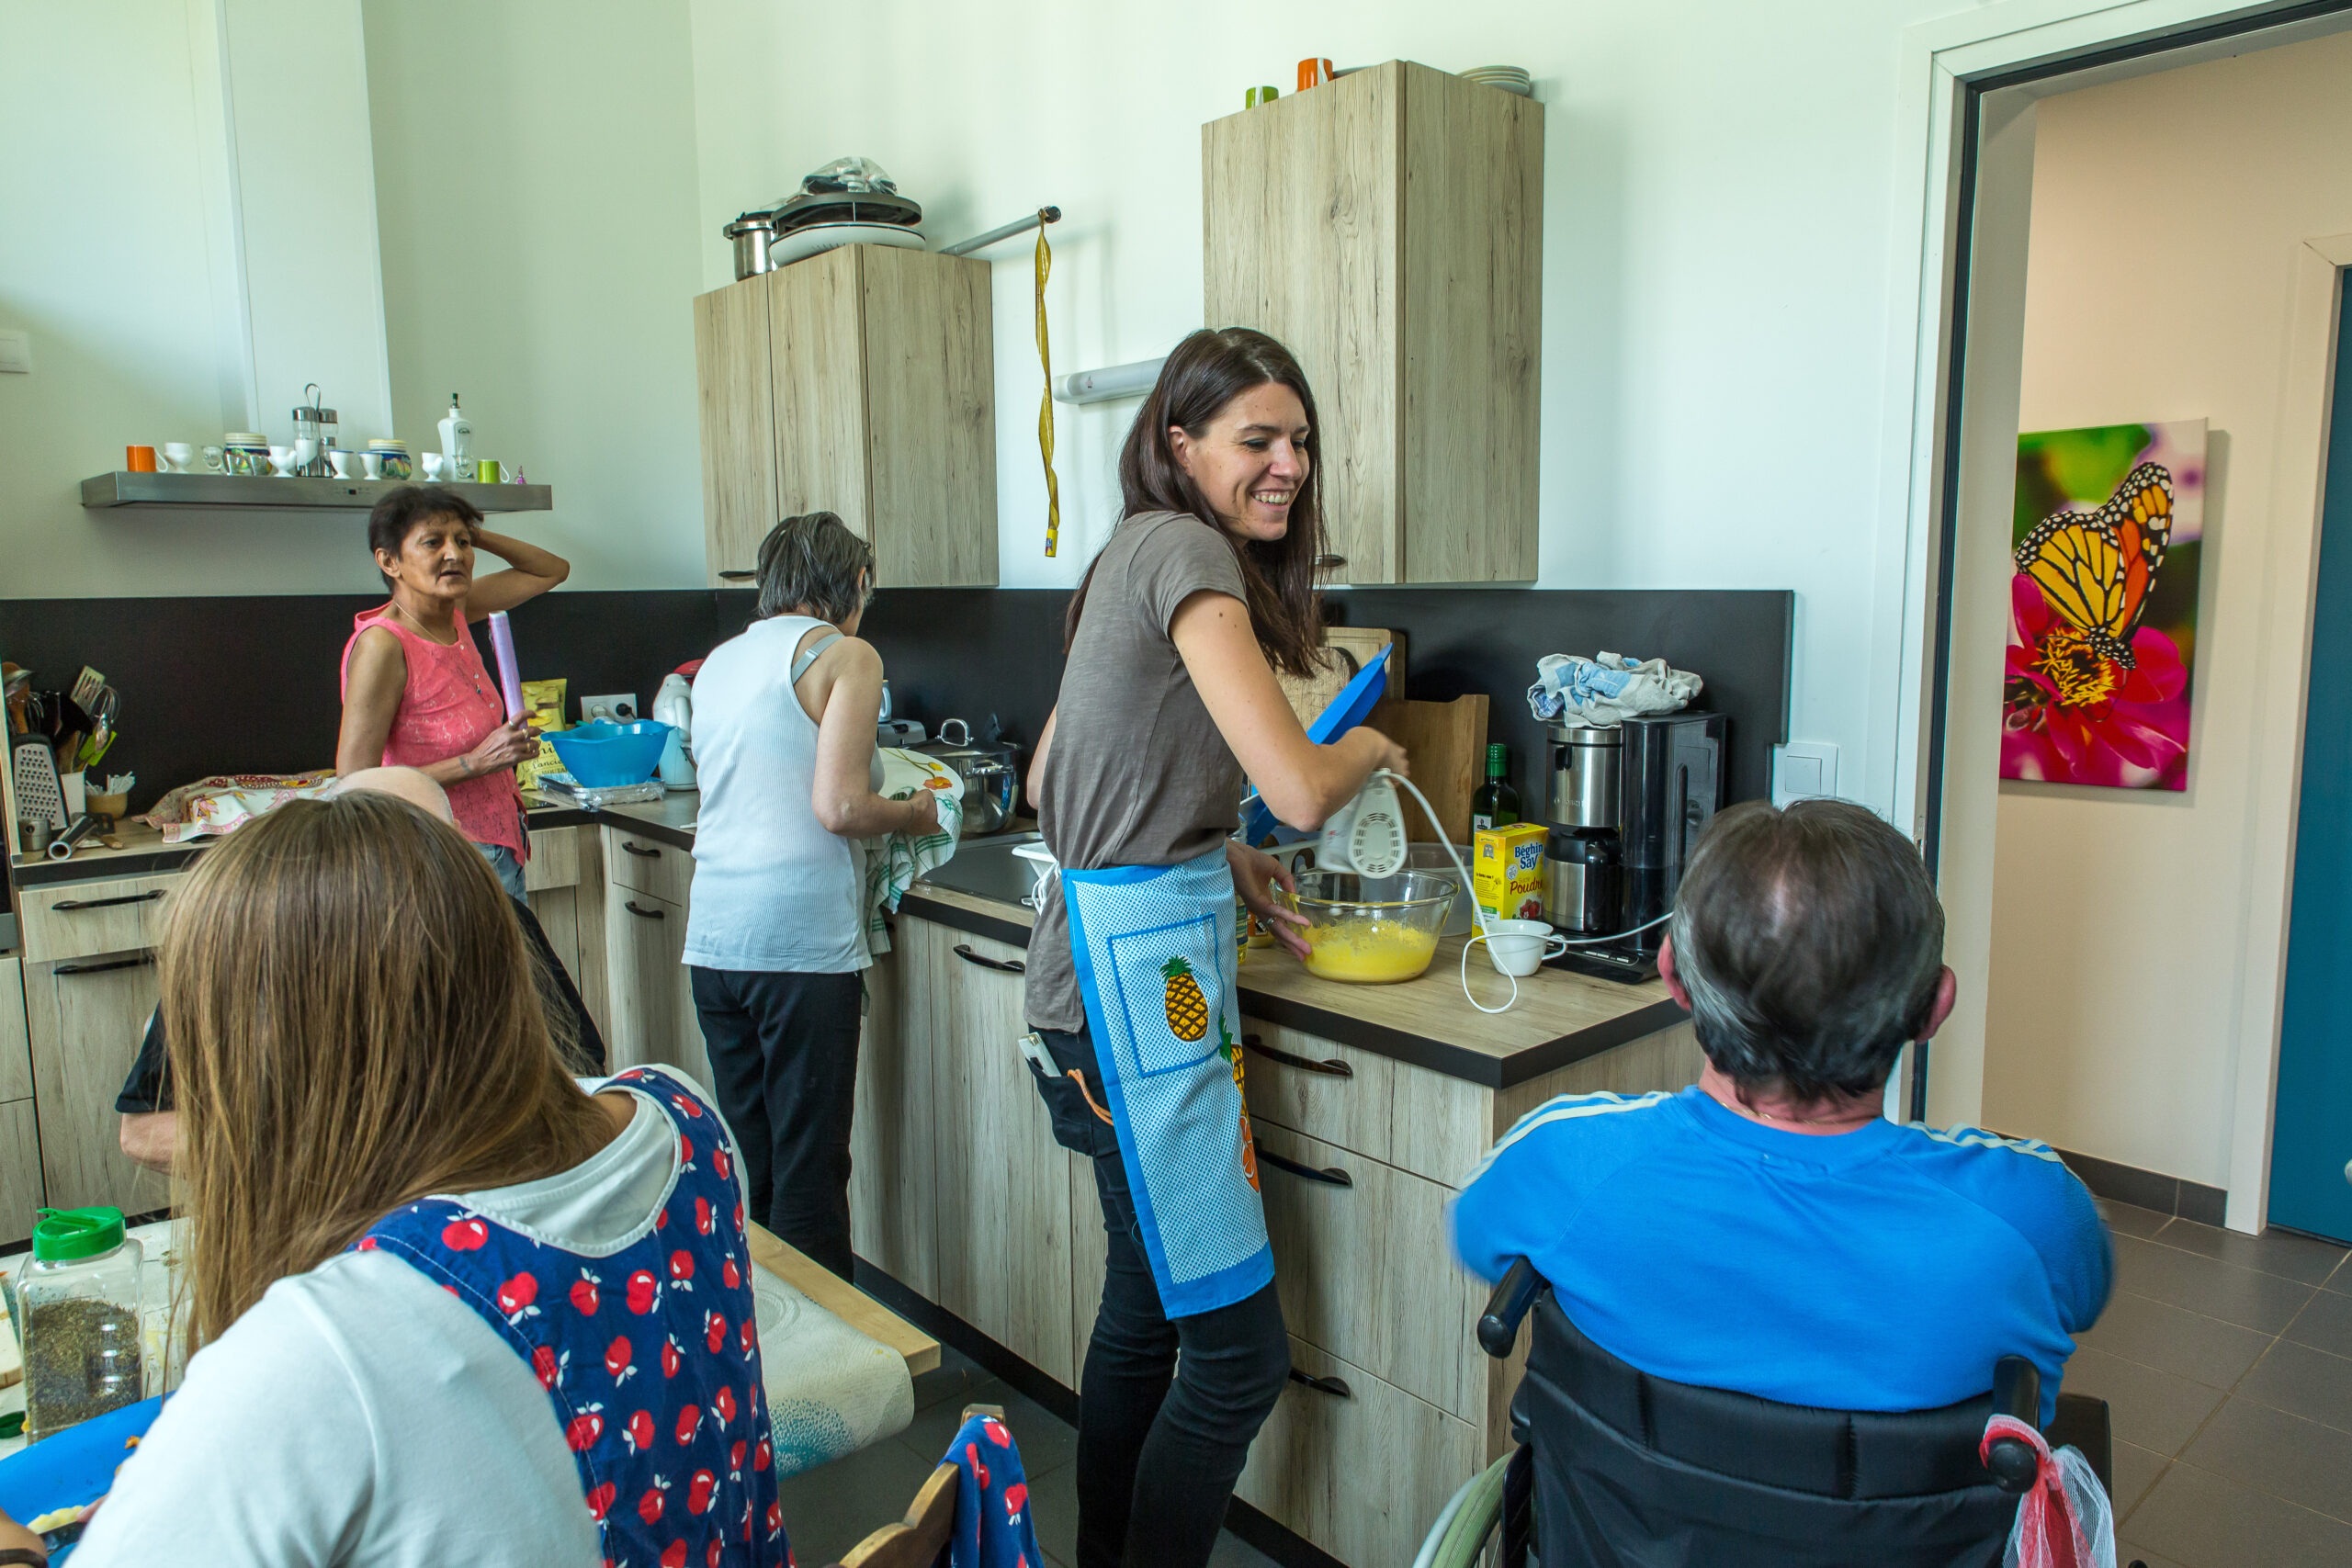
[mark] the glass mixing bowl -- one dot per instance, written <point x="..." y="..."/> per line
<point x="1372" y="931"/>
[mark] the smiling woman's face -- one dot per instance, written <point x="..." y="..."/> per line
<point x="436" y="558"/>
<point x="1250" y="460"/>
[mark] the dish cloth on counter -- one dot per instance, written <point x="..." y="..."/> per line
<point x="831" y="1389"/>
<point x="230" y="800"/>
<point x="1607" y="689"/>
<point x="894" y="860"/>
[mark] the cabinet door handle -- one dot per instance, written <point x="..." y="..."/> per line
<point x="738" y="576"/>
<point x="101" y="968"/>
<point x="630" y="846"/>
<point x="146" y="897"/>
<point x="1330" y="1176"/>
<point x="1001" y="965"/>
<point x="631" y="905"/>
<point x="1336" y="1387"/>
<point x="1324" y="562"/>
<point x="1332" y="1068"/>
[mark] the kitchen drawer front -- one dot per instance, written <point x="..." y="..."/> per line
<point x="648" y="865"/>
<point x="21" y="1182"/>
<point x="1365" y="1269"/>
<point x="1363" y="1474"/>
<point x="555" y="859"/>
<point x="82" y="920"/>
<point x="1314" y="1086"/>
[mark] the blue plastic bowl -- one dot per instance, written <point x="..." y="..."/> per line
<point x="605" y="755"/>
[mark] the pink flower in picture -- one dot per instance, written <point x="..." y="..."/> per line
<point x="2072" y="714"/>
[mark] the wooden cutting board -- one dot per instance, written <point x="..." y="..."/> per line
<point x="1446" y="744"/>
<point x="1350" y="649"/>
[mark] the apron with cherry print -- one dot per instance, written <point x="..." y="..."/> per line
<point x="651" y="1355"/>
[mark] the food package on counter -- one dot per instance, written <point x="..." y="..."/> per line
<point x="543" y="704"/>
<point x="1507" y="870"/>
<point x="230" y="800"/>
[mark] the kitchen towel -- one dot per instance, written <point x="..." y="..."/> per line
<point x="230" y="800"/>
<point x="1606" y="691"/>
<point x="894" y="860"/>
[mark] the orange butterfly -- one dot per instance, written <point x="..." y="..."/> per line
<point x="2095" y="568"/>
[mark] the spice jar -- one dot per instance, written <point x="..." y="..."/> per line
<point x="78" y="1313"/>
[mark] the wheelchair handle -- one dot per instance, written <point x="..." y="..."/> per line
<point x="1498" y="1325"/>
<point x="2016" y="1392"/>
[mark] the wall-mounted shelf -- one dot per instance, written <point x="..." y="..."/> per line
<point x="309" y="495"/>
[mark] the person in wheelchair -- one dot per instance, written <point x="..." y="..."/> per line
<point x="1768" y="1230"/>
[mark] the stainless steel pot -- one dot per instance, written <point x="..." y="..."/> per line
<point x="991" y="777"/>
<point x="751" y="232"/>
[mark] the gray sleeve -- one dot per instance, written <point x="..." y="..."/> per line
<point x="1182" y="558"/>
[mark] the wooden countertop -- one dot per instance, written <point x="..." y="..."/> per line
<point x="1561" y="1016"/>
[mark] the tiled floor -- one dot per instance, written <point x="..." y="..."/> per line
<point x="2227" y="1360"/>
<point x="828" y="1511"/>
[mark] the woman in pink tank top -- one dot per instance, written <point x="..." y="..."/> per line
<point x="415" y="693"/>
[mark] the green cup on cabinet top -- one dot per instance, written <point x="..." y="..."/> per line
<point x="486" y="471"/>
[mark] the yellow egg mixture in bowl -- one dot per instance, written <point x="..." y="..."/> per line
<point x="1372" y="931"/>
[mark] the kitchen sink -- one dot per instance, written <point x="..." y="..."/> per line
<point x="989" y="869"/>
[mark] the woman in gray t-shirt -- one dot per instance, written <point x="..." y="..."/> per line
<point x="1167" y="701"/>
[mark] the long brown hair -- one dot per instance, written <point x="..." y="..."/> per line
<point x="1209" y="369"/>
<point x="352" y="1024"/>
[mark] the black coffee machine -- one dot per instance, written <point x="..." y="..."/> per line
<point x="1625" y="808"/>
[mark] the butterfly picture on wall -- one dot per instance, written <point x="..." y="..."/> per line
<point x="2108" y="527"/>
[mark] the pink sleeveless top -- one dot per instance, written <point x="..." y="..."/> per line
<point x="449" y="704"/>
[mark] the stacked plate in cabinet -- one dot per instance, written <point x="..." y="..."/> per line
<point x="1509" y="78"/>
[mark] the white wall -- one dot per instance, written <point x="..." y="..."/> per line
<point x="535" y="182"/>
<point x="1717" y="190"/>
<point x="2167" y="215"/>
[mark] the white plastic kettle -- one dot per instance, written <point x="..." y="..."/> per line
<point x="673" y="704"/>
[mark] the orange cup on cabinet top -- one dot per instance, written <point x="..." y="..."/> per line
<point x="1313" y="73"/>
<point x="139" y="459"/>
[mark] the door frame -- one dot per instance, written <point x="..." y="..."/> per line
<point x="1962" y="152"/>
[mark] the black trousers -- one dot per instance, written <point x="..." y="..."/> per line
<point x="1166" y="1407"/>
<point x="783" y="1051"/>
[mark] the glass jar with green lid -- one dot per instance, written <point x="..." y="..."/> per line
<point x="78" y="1313"/>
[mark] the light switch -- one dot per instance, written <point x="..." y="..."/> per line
<point x="17" y="352"/>
<point x="1804" y="769"/>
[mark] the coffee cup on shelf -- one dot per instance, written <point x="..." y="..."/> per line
<point x="139" y="459"/>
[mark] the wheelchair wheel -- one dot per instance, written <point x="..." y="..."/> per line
<point x="1468" y="1533"/>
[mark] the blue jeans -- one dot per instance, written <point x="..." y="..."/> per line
<point x="510" y="870"/>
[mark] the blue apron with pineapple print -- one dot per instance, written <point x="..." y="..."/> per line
<point x="1153" y="949"/>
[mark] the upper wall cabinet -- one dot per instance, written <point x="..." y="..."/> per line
<point x="1388" y="227"/>
<point x="860" y="381"/>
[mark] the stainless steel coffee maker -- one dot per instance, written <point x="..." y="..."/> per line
<point x="1625" y="808"/>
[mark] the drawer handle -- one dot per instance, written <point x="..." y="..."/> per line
<point x="738" y="576"/>
<point x="1001" y="965"/>
<point x="632" y="847"/>
<point x="631" y="905"/>
<point x="146" y="897"/>
<point x="1330" y="1176"/>
<point x="1324" y="562"/>
<point x="1336" y="1387"/>
<point x="1333" y="1068"/>
<point x="101" y="968"/>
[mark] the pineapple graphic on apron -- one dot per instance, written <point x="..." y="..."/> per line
<point x="1153" y="949"/>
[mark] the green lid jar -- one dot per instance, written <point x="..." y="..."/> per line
<point x="78" y="1313"/>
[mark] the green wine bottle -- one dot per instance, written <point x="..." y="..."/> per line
<point x="1497" y="803"/>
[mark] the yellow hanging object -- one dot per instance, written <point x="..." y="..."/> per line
<point x="1045" y="409"/>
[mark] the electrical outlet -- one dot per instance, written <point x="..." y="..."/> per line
<point x="620" y="707"/>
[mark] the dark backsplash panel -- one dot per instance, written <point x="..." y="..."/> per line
<point x="214" y="685"/>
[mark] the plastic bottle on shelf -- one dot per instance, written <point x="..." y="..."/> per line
<point x="78" y="1311"/>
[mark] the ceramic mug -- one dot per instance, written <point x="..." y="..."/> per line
<point x="178" y="457"/>
<point x="486" y="471"/>
<point x="139" y="459"/>
<point x="1520" y="947"/>
<point x="394" y="456"/>
<point x="340" y="461"/>
<point x="246" y="455"/>
<point x="371" y="464"/>
<point x="437" y="466"/>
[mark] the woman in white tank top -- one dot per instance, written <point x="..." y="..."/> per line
<point x="784" y="719"/>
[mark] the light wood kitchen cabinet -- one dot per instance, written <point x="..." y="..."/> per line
<point x="1002" y="1185"/>
<point x="651" y="1000"/>
<point x="565" y="883"/>
<point x="892" y="1128"/>
<point x="1387" y="228"/>
<point x="86" y="1018"/>
<point x="859" y="382"/>
<point x="20" y="1181"/>
<point x="16" y="1050"/>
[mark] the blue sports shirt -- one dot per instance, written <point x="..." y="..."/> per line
<point x="1883" y="1268"/>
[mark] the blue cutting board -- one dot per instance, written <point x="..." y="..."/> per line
<point x="1342" y="714"/>
<point x="73" y="1467"/>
